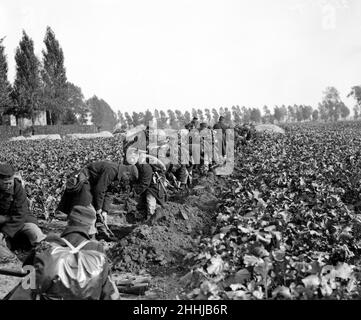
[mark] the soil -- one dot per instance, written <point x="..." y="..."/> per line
<point x="158" y="248"/>
<point x="9" y="261"/>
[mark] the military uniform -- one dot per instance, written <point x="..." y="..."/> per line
<point x="90" y="188"/>
<point x="221" y="126"/>
<point x="150" y="190"/>
<point x="176" y="168"/>
<point x="79" y="195"/>
<point x="80" y="223"/>
<point x="101" y="175"/>
<point x="14" y="208"/>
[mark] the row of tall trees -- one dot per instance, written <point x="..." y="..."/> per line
<point x="43" y="86"/>
<point x="330" y="109"/>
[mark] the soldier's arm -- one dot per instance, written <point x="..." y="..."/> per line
<point x="101" y="187"/>
<point x="108" y="199"/>
<point x="65" y="203"/>
<point x="21" y="205"/>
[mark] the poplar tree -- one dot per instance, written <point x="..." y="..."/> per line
<point x="128" y="119"/>
<point x="121" y="119"/>
<point x="187" y="117"/>
<point x="136" y="119"/>
<point x="172" y="119"/>
<point x="54" y="78"/>
<point x="215" y="115"/>
<point x="102" y="114"/>
<point x="5" y="87"/>
<point x="148" y="117"/>
<point x="200" y="115"/>
<point x="27" y="85"/>
<point x="163" y="120"/>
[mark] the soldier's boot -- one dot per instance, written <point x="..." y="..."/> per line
<point x="190" y="180"/>
<point x="153" y="214"/>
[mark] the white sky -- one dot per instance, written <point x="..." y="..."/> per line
<point x="139" y="54"/>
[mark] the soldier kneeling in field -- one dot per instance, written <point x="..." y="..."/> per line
<point x="90" y="187"/>
<point x="151" y="189"/>
<point x="17" y="223"/>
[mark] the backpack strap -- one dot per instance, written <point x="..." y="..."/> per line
<point x="78" y="248"/>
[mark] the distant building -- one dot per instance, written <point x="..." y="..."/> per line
<point x="7" y="120"/>
<point x="88" y="117"/>
<point x="12" y="119"/>
<point x="39" y="120"/>
<point x="24" y="122"/>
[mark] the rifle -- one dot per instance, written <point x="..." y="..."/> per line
<point x="175" y="184"/>
<point x="12" y="273"/>
<point x="172" y="187"/>
<point x="158" y="179"/>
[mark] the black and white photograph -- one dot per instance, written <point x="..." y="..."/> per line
<point x="187" y="150"/>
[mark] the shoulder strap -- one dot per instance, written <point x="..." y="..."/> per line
<point x="78" y="248"/>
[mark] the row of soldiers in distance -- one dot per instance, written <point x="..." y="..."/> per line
<point x="179" y="166"/>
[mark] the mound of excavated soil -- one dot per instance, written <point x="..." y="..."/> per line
<point x="184" y="218"/>
<point x="148" y="246"/>
<point x="166" y="242"/>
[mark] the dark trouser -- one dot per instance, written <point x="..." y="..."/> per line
<point x="182" y="174"/>
<point x="29" y="234"/>
<point x="224" y="145"/>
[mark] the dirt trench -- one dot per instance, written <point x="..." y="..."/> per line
<point x="160" y="250"/>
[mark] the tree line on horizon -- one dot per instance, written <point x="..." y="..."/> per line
<point x="43" y="86"/>
<point x="330" y="109"/>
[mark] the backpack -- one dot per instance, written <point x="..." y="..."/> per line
<point x="69" y="273"/>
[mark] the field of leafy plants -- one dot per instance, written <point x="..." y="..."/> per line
<point x="288" y="222"/>
<point x="288" y="225"/>
<point x="45" y="164"/>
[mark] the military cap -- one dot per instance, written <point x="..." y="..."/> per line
<point x="82" y="215"/>
<point x="6" y="170"/>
